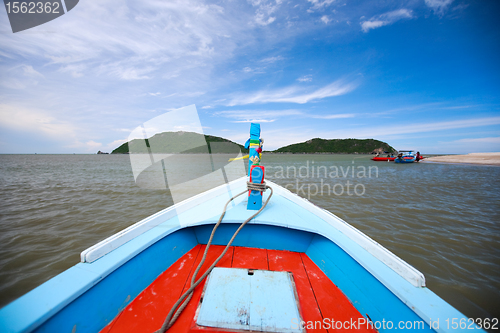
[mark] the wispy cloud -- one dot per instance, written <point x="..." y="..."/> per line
<point x="320" y="4"/>
<point x="438" y="6"/>
<point x="305" y="78"/>
<point x="36" y="121"/>
<point x="445" y="125"/>
<point x="76" y="70"/>
<point x="467" y="145"/>
<point x="20" y="77"/>
<point x="334" y="116"/>
<point x="458" y="107"/>
<point x="325" y="19"/>
<point x="495" y="139"/>
<point x="272" y="59"/>
<point x="265" y="10"/>
<point x="405" y="129"/>
<point x="295" y="94"/>
<point x="265" y="116"/>
<point x="113" y="145"/>
<point x="386" y="19"/>
<point x="255" y="70"/>
<point x="93" y="145"/>
<point x="255" y="121"/>
<point x="30" y="71"/>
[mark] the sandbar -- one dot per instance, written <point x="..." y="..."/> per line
<point x="472" y="158"/>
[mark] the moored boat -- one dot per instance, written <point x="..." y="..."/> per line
<point x="405" y="156"/>
<point x="293" y="268"/>
<point x="384" y="159"/>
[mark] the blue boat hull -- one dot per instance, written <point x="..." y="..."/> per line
<point x="405" y="160"/>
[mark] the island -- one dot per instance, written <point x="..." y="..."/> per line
<point x="180" y="142"/>
<point x="338" y="146"/>
<point x="192" y="143"/>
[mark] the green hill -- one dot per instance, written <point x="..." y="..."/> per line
<point x="339" y="146"/>
<point x="183" y="142"/>
<point x="180" y="142"/>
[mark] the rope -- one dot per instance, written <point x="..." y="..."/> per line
<point x="171" y="317"/>
<point x="257" y="187"/>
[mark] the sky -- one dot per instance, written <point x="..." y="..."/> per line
<point x="422" y="75"/>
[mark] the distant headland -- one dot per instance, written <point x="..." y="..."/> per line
<point x="180" y="142"/>
<point x="337" y="146"/>
<point x="183" y="142"/>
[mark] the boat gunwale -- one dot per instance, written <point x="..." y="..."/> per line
<point x="401" y="267"/>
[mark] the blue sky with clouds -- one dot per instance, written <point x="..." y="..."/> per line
<point x="419" y="75"/>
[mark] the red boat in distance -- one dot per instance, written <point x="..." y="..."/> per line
<point x="382" y="158"/>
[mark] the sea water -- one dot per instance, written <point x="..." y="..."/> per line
<point x="443" y="219"/>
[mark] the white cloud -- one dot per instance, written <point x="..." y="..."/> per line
<point x="256" y="70"/>
<point x="262" y="20"/>
<point x="444" y="125"/>
<point x="295" y="94"/>
<point x="367" y="25"/>
<point x="12" y="83"/>
<point x="76" y="70"/>
<point x="264" y="116"/>
<point x="495" y="139"/>
<point x="30" y="71"/>
<point x="398" y="129"/>
<point x="439" y="6"/>
<point x="334" y="116"/>
<point x="35" y="121"/>
<point x="265" y="10"/>
<point x="325" y="19"/>
<point x="467" y="145"/>
<point x="386" y="19"/>
<point x="93" y="145"/>
<point x="272" y="59"/>
<point x="320" y="4"/>
<point x="305" y="78"/>
<point x="129" y="73"/>
<point x="255" y="121"/>
<point x="115" y="144"/>
<point x="20" y="77"/>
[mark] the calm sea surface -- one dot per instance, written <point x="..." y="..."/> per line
<point x="442" y="219"/>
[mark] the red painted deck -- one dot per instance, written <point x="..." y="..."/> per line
<point x="319" y="298"/>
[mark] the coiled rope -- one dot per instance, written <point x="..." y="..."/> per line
<point x="173" y="314"/>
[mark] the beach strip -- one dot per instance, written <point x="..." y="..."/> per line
<point x="472" y="158"/>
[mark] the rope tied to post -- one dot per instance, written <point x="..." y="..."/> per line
<point x="257" y="187"/>
<point x="186" y="297"/>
